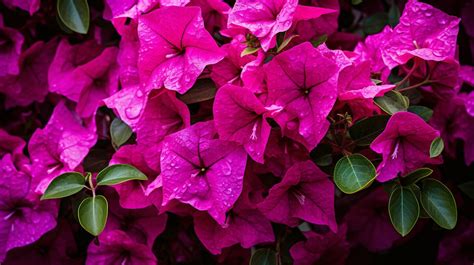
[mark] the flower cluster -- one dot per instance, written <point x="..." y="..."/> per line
<point x="261" y="131"/>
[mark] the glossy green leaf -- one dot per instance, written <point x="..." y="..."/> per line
<point x="366" y="130"/>
<point x="119" y="173"/>
<point x="467" y="188"/>
<point x="285" y="43"/>
<point x="403" y="210"/>
<point x="249" y="50"/>
<point x="375" y="23"/>
<point x="264" y="256"/>
<point x="436" y="147"/>
<point x="322" y="155"/>
<point x="92" y="214"/>
<point x="416" y="175"/>
<point x="202" y="90"/>
<point x="439" y="203"/>
<point x="356" y="2"/>
<point x="120" y="132"/>
<point x="392" y="102"/>
<point x="393" y="15"/>
<point x="320" y="40"/>
<point x="353" y="173"/>
<point x="417" y="192"/>
<point x="74" y="14"/>
<point x="64" y="185"/>
<point x="422" y="111"/>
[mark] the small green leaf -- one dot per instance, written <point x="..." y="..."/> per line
<point x="322" y="155"/>
<point x="467" y="188"/>
<point x="393" y="15"/>
<point x="436" y="147"/>
<point x="320" y="40"/>
<point x="375" y="23"/>
<point x="74" y="14"/>
<point x="264" y="256"/>
<point x="422" y="111"/>
<point x="285" y="43"/>
<point x="119" y="132"/>
<point x="249" y="50"/>
<point x="356" y="2"/>
<point x="354" y="173"/>
<point x="439" y="203"/>
<point x="376" y="81"/>
<point x="403" y="209"/>
<point x="366" y="130"/>
<point x="119" y="173"/>
<point x="202" y="90"/>
<point x="64" y="185"/>
<point x="392" y="102"/>
<point x="416" y="175"/>
<point x="92" y="214"/>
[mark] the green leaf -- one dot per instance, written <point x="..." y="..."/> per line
<point x="375" y="23"/>
<point x="119" y="132"/>
<point x="353" y="173"/>
<point x="416" y="175"/>
<point x="92" y="214"/>
<point x="202" y="90"/>
<point x="392" y="102"/>
<point x="64" y="185"/>
<point x="467" y="188"/>
<point x="119" y="173"/>
<point x="366" y="130"/>
<point x="74" y="14"/>
<point x="264" y="256"/>
<point x="403" y="209"/>
<point x="249" y="50"/>
<point x="322" y="155"/>
<point x="436" y="147"/>
<point x="285" y="43"/>
<point x="417" y="192"/>
<point x="356" y="2"/>
<point x="320" y="40"/>
<point x="393" y="15"/>
<point x="422" y="111"/>
<point x="439" y="203"/>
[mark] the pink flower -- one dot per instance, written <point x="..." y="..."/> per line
<point x="119" y="247"/>
<point x="174" y="48"/>
<point x="369" y="224"/>
<point x="31" y="84"/>
<point x="229" y="70"/>
<point x="28" y="5"/>
<point x="201" y="171"/>
<point x="303" y="81"/>
<point x="60" y="146"/>
<point x="141" y="225"/>
<point x="404" y="145"/>
<point x="243" y="225"/>
<point x="329" y="248"/>
<point x="305" y="193"/>
<point x="84" y="73"/>
<point x="23" y="218"/>
<point x="11" y="41"/>
<point x="240" y="117"/>
<point x="268" y="17"/>
<point x="412" y="38"/>
<point x="57" y="247"/>
<point x="13" y="145"/>
<point x="371" y="50"/>
<point x="456" y="247"/>
<point x="132" y="193"/>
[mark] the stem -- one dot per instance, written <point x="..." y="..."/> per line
<point x="401" y="82"/>
<point x="416" y="85"/>
<point x="89" y="178"/>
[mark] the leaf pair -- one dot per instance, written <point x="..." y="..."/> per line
<point x="435" y="198"/>
<point x="93" y="211"/>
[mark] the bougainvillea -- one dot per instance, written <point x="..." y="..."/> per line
<point x="236" y="132"/>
